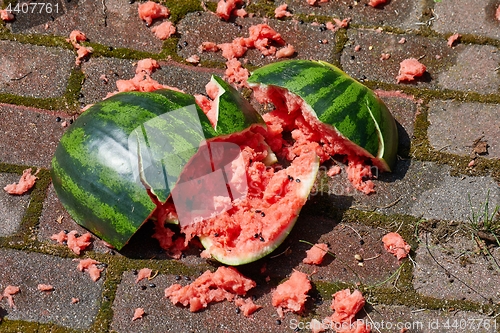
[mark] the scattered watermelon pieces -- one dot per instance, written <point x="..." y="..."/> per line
<point x="8" y="292"/>
<point x="90" y="266"/>
<point x="164" y="30"/>
<point x="6" y="15"/>
<point x="151" y="10"/>
<point x="395" y="244"/>
<point x="223" y="284"/>
<point x="75" y="242"/>
<point x="316" y="254"/>
<point x="45" y="287"/>
<point x="452" y="39"/>
<point x="226" y="7"/>
<point x="144" y="273"/>
<point x="282" y="11"/>
<point x="138" y="314"/>
<point x="291" y="295"/>
<point x="377" y="3"/>
<point x="75" y="38"/>
<point x="246" y="305"/>
<point x="410" y="69"/>
<point x="26" y="182"/>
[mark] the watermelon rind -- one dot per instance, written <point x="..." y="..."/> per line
<point x="96" y="174"/>
<point x="302" y="192"/>
<point x="336" y="99"/>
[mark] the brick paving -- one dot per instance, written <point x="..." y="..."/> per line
<point x="450" y="283"/>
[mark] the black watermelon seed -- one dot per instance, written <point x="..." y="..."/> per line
<point x="262" y="214"/>
<point x="71" y="121"/>
<point x="135" y="272"/>
<point x="152" y="285"/>
<point x="257" y="210"/>
<point x="254" y="298"/>
<point x="177" y="277"/>
<point x="290" y="178"/>
<point x="238" y="310"/>
<point x="256" y="236"/>
<point x="216" y="234"/>
<point x="278" y="322"/>
<point x="361" y="242"/>
<point x="66" y="231"/>
<point x="187" y="278"/>
<point x="262" y="239"/>
<point x="58" y="119"/>
<point x="301" y="22"/>
<point x="143" y="287"/>
<point x="297" y="180"/>
<point x="185" y="43"/>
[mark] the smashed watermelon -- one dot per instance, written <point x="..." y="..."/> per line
<point x="224" y="174"/>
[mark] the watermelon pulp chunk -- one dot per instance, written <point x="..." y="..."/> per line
<point x="292" y="125"/>
<point x="251" y="225"/>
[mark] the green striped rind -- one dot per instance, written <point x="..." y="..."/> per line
<point x="235" y="113"/>
<point x="338" y="100"/>
<point x="93" y="172"/>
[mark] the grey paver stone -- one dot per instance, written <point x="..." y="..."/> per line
<point x="112" y="23"/>
<point x="41" y="72"/>
<point x="449" y="200"/>
<point x="366" y="64"/>
<point x="12" y="207"/>
<point x="454" y="126"/>
<point x="475" y="17"/>
<point x="402" y="14"/>
<point x="475" y="70"/>
<point x="452" y="268"/>
<point x="395" y="319"/>
<point x="27" y="270"/>
<point x="29" y="136"/>
<point x="195" y="29"/>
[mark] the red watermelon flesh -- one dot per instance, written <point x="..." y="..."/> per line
<point x="291" y="127"/>
<point x="262" y="202"/>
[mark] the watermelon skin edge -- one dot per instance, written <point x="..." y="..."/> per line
<point x="307" y="184"/>
<point x="337" y="99"/>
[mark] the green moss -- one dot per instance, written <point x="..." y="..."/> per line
<point x="262" y="8"/>
<point x="212" y="6"/>
<point x="179" y="9"/>
<point x="35" y="39"/>
<point x="170" y="49"/>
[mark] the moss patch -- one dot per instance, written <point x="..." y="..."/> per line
<point x="179" y="9"/>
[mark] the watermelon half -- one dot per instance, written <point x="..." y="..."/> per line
<point x="324" y="104"/>
<point x="121" y="158"/>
